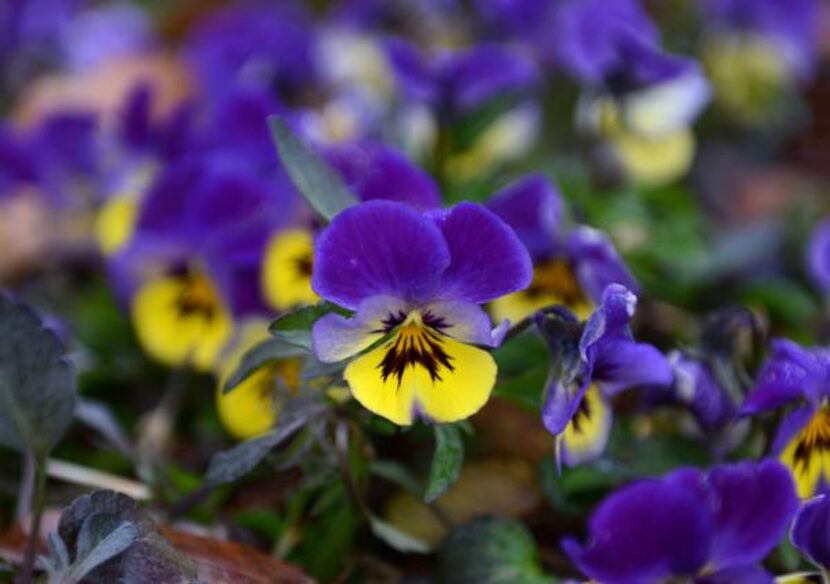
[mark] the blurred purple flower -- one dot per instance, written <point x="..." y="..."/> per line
<point x="592" y="363"/>
<point x="571" y="267"/>
<point x="416" y="280"/>
<point x="818" y="256"/>
<point x="707" y="528"/>
<point x="793" y="374"/>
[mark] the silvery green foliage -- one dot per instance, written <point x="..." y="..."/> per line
<point x="37" y="384"/>
<point x="104" y="537"/>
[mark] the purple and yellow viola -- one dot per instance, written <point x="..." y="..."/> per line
<point x="690" y="526"/>
<point x="592" y="363"/>
<point x="415" y="281"/>
<point x="795" y="375"/>
<point x="570" y="267"/>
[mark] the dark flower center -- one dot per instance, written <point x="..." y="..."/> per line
<point x="418" y="341"/>
<point x="556" y="278"/>
<point x="813" y="439"/>
<point x="197" y="298"/>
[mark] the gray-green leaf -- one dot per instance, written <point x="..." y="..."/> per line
<point x="321" y="186"/>
<point x="295" y="327"/>
<point x="37" y="384"/>
<point x="446" y="462"/>
<point x="230" y="465"/>
<point x="267" y="352"/>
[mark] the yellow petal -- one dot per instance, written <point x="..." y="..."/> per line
<point x="181" y="321"/>
<point x="115" y="223"/>
<point x="654" y="161"/>
<point x="286" y="274"/>
<point x="807" y="455"/>
<point x="586" y="434"/>
<point x="447" y="380"/>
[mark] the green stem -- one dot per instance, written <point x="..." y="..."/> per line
<point x="27" y="573"/>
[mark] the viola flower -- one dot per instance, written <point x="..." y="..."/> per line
<point x="571" y="268"/>
<point x="642" y="113"/>
<point x="755" y="50"/>
<point x="253" y="406"/>
<point x="795" y="375"/>
<point x="415" y="281"/>
<point x="453" y="85"/>
<point x="192" y="266"/>
<point x="702" y="528"/>
<point x="592" y="363"/>
<point x="372" y="171"/>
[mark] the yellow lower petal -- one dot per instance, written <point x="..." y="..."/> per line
<point x="587" y="433"/>
<point x="286" y="274"/>
<point x="450" y="380"/>
<point x="654" y="161"/>
<point x="181" y="321"/>
<point x="808" y="454"/>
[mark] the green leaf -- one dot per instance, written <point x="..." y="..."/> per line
<point x="230" y="465"/>
<point x="395" y="538"/>
<point x="490" y="551"/>
<point x="265" y="353"/>
<point x="446" y="462"/>
<point x="37" y="384"/>
<point x="294" y="328"/>
<point x="321" y="186"/>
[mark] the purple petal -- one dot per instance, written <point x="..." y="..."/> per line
<point x="379" y="248"/>
<point x="561" y="402"/>
<point x="488" y="260"/>
<point x="621" y="364"/>
<point x="644" y="533"/>
<point x="737" y="575"/>
<point x="810" y="531"/>
<point x="818" y="256"/>
<point x="477" y="75"/>
<point x="413" y="74"/>
<point x="789" y="374"/>
<point x="610" y="320"/>
<point x="336" y="337"/>
<point x="597" y="263"/>
<point x="695" y="386"/>
<point x="532" y="207"/>
<point x="790" y="426"/>
<point x="756" y="502"/>
<point x="374" y="171"/>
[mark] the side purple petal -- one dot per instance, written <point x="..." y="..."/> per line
<point x="597" y="263"/>
<point x="644" y="533"/>
<point x="755" y="505"/>
<point x="790" y="373"/>
<point x="465" y="322"/>
<point x="379" y="248"/>
<point x="810" y="531"/>
<point x="737" y="575"/>
<point x="561" y="402"/>
<point x="620" y="364"/>
<point x="487" y="258"/>
<point x="532" y="207"/>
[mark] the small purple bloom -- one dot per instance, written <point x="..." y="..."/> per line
<point x="696" y="386"/>
<point x="592" y="363"/>
<point x="795" y="375"/>
<point x="712" y="527"/>
<point x="810" y="531"/>
<point x="571" y="267"/>
<point x="415" y="281"/>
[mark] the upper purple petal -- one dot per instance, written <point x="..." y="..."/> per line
<point x="379" y="248"/>
<point x="790" y="373"/>
<point x="621" y="363"/>
<point x="755" y="504"/>
<point x="597" y="263"/>
<point x="375" y="171"/>
<point x="533" y="208"/>
<point x="644" y="533"/>
<point x="810" y="531"/>
<point x="610" y="320"/>
<point x="488" y="260"/>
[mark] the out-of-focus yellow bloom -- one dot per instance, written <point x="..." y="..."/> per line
<point x="181" y="320"/>
<point x="748" y="72"/>
<point x="115" y="223"/>
<point x="286" y="273"/>
<point x="252" y="407"/>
